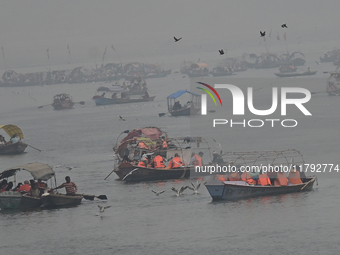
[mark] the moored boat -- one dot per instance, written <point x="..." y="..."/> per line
<point x="192" y="107"/>
<point x="12" y="148"/>
<point x="295" y="74"/>
<point x="17" y="200"/>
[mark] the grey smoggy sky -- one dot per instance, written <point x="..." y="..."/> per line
<point x="146" y="28"/>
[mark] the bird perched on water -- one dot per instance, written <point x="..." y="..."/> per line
<point x="195" y="188"/>
<point x="180" y="191"/>
<point x="284" y="26"/>
<point x="158" y="192"/>
<point x="263" y="33"/>
<point x="221" y="52"/>
<point x="121" y="118"/>
<point x="177" y="39"/>
<point x="69" y="168"/>
<point x="102" y="208"/>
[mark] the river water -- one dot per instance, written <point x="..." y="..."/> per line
<point x="138" y="222"/>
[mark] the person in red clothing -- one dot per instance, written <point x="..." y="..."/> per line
<point x="26" y="188"/>
<point x="70" y="187"/>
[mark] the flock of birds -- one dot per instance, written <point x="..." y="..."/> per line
<point x="180" y="191"/>
<point x="221" y="51"/>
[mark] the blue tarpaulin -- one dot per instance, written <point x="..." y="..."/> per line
<point x="181" y="92"/>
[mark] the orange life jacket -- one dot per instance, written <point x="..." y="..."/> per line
<point x="246" y="178"/>
<point x="294" y="177"/>
<point x="25" y="187"/>
<point x="142" y="145"/>
<point x="158" y="162"/>
<point x="141" y="163"/>
<point x="176" y="162"/>
<point x="281" y="180"/>
<point x="164" y="145"/>
<point x="263" y="180"/>
<point x="221" y="177"/>
<point x="234" y="177"/>
<point x="197" y="161"/>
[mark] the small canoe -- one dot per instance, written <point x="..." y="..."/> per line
<point x="15" y="148"/>
<point x="57" y="200"/>
<point x="295" y="74"/>
<point x="106" y="101"/>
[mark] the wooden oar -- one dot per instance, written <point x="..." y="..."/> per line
<point x="33" y="147"/>
<point x="318" y="92"/>
<point x="91" y="197"/>
<point x="44" y="105"/>
<point x="308" y="183"/>
<point x="111" y="172"/>
<point x="162" y="114"/>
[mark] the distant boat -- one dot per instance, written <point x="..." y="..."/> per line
<point x="126" y="100"/>
<point x="333" y="84"/>
<point x="13" y="148"/>
<point x="62" y="101"/>
<point x="295" y="74"/>
<point x="190" y="108"/>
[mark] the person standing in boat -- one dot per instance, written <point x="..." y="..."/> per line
<point x="70" y="187"/>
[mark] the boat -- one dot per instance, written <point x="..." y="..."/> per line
<point x="128" y="152"/>
<point x="59" y="200"/>
<point x="257" y="161"/>
<point x="287" y="68"/>
<point x="192" y="107"/>
<point x="233" y="190"/>
<point x="62" y="101"/>
<point x="122" y="100"/>
<point x="333" y="84"/>
<point x="295" y="74"/>
<point x="330" y="56"/>
<point x="16" y="200"/>
<point x="14" y="148"/>
<point x="198" y="70"/>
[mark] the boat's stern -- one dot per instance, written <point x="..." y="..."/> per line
<point x="215" y="188"/>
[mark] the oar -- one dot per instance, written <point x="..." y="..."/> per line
<point x="91" y="197"/>
<point x="44" y="105"/>
<point x="162" y="114"/>
<point x="33" y="147"/>
<point x="81" y="102"/>
<point x="308" y="183"/>
<point x="111" y="173"/>
<point x="313" y="93"/>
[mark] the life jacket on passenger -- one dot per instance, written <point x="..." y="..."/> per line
<point x="221" y="177"/>
<point x="158" y="162"/>
<point x="264" y="180"/>
<point x="234" y="177"/>
<point x="141" y="163"/>
<point x="142" y="145"/>
<point x="25" y="187"/>
<point x="247" y="178"/>
<point x="197" y="161"/>
<point x="176" y="162"/>
<point x="164" y="144"/>
<point x="281" y="180"/>
<point x="294" y="177"/>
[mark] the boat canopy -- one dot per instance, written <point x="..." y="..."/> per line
<point x="37" y="170"/>
<point x="12" y="129"/>
<point x="181" y="92"/>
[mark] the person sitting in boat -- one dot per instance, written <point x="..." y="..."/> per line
<point x="157" y="162"/>
<point x="294" y="176"/>
<point x="196" y="160"/>
<point x="188" y="104"/>
<point x="2" y="141"/>
<point x="234" y="177"/>
<point x="247" y="178"/>
<point x="263" y="179"/>
<point x="3" y="185"/>
<point x="17" y="187"/>
<point x="281" y="179"/>
<point x="70" y="187"/>
<point x="41" y="186"/>
<point x="9" y="186"/>
<point x="177" y="106"/>
<point x="35" y="192"/>
<point x="217" y="158"/>
<point x="25" y="188"/>
<point x="176" y="162"/>
<point x="14" y="139"/>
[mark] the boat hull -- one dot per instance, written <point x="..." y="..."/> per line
<point x="16" y="148"/>
<point x="185" y="112"/>
<point x="106" y="101"/>
<point x="230" y="190"/>
<point x="57" y="200"/>
<point x="149" y="174"/>
<point x="294" y="74"/>
<point x="63" y="105"/>
<point x="15" y="201"/>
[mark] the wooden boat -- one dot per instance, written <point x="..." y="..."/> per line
<point x="14" y="148"/>
<point x="130" y="173"/>
<point x="295" y="74"/>
<point x="16" y="200"/>
<point x="191" y="108"/>
<point x="333" y="84"/>
<point x="287" y="68"/>
<point x="106" y="101"/>
<point x="233" y="190"/>
<point x="62" y="101"/>
<point x="58" y="200"/>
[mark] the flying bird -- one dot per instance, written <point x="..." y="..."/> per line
<point x="129" y="173"/>
<point x="221" y="52"/>
<point x="121" y="118"/>
<point x="177" y="39"/>
<point x="195" y="188"/>
<point x="158" y="192"/>
<point x="317" y="62"/>
<point x="284" y="26"/>
<point x="180" y="191"/>
<point x="262" y="33"/>
<point x="102" y="208"/>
